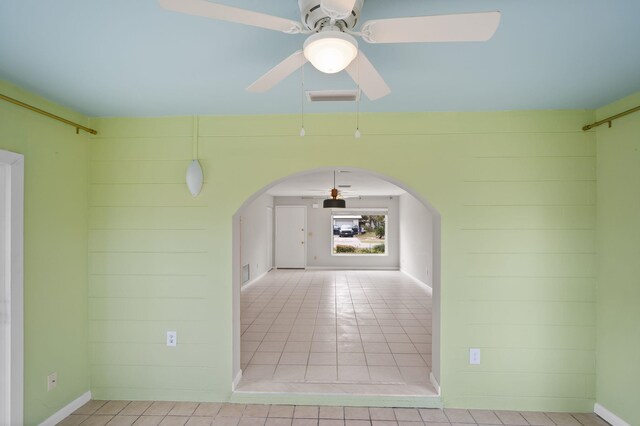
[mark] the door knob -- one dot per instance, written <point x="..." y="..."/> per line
<point x="301" y="242"/>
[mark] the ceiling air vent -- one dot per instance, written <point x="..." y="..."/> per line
<point x="332" y="95"/>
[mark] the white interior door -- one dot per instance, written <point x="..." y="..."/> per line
<point x="291" y="224"/>
<point x="4" y="300"/>
<point x="269" y="229"/>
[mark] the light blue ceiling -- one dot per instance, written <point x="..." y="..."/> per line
<point x="131" y="58"/>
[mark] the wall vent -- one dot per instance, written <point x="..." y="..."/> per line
<point x="333" y="95"/>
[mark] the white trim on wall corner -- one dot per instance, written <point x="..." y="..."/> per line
<point x="434" y="382"/>
<point x="12" y="285"/>
<point x="253" y="281"/>
<point x="236" y="381"/>
<point x="609" y="416"/>
<point x="422" y="283"/>
<point x="68" y="409"/>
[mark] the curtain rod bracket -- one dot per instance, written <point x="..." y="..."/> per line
<point x="609" y="120"/>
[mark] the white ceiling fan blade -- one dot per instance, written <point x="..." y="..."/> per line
<point x="278" y="73"/>
<point x="337" y="9"/>
<point x="367" y="78"/>
<point x="232" y="14"/>
<point x="440" y="28"/>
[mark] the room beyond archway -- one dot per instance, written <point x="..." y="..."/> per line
<point x="360" y="314"/>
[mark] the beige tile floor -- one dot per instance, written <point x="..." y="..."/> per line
<point x="149" y="413"/>
<point x="313" y="329"/>
<point x="337" y="328"/>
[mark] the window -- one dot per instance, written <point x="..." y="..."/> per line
<point x="359" y="234"/>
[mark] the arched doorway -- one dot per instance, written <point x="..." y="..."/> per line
<point x="414" y="202"/>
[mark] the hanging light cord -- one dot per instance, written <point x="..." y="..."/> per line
<point x="357" y="134"/>
<point x="302" y="131"/>
<point x="334" y="191"/>
<point x="196" y="137"/>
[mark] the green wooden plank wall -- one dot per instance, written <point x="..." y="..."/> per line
<point x="516" y="191"/>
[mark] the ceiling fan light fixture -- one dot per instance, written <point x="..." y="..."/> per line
<point x="330" y="51"/>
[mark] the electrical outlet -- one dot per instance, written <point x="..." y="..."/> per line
<point x="172" y="338"/>
<point x="52" y="381"/>
<point x="474" y="356"/>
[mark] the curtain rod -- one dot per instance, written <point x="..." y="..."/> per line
<point x="48" y="114"/>
<point x="610" y="119"/>
<point x="95" y="132"/>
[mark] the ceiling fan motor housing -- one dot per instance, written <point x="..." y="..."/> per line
<point x="314" y="18"/>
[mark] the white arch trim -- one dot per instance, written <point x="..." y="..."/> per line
<point x="236" y="273"/>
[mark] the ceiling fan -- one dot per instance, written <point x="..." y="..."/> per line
<point x="332" y="47"/>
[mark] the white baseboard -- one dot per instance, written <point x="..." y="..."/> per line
<point x="352" y="268"/>
<point x="609" y="416"/>
<point x="434" y="382"/>
<point x="253" y="281"/>
<point x="68" y="409"/>
<point x="422" y="283"/>
<point x="236" y="381"/>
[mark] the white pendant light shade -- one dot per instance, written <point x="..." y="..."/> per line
<point x="330" y="51"/>
<point x="194" y="177"/>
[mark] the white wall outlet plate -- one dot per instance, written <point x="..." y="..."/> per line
<point x="172" y="338"/>
<point x="52" y="381"/>
<point x="474" y="356"/>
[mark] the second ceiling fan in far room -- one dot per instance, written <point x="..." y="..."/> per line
<point x="332" y="47"/>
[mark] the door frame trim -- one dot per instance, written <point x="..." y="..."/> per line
<point x="15" y="274"/>
<point x="270" y="241"/>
